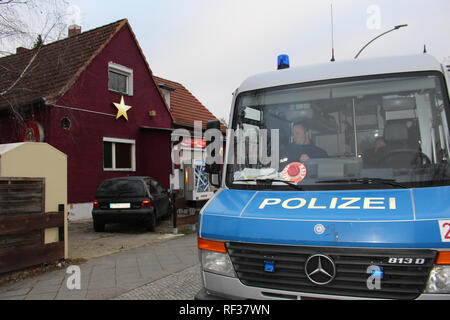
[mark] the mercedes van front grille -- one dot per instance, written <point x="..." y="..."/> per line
<point x="400" y="273"/>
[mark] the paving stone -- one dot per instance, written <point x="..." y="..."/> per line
<point x="182" y="285"/>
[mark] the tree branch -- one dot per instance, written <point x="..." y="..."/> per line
<point x="12" y="2"/>
<point x="4" y="92"/>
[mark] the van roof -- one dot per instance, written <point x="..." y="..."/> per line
<point x="344" y="69"/>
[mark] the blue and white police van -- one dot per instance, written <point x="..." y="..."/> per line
<point x="368" y="217"/>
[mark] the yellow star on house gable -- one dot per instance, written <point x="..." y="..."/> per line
<point x="122" y="109"/>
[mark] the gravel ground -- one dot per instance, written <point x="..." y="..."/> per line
<point x="86" y="244"/>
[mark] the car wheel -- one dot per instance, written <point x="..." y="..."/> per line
<point x="151" y="224"/>
<point x="99" y="226"/>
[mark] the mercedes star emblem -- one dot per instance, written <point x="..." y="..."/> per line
<point x="320" y="269"/>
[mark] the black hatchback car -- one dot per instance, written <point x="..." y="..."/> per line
<point x="130" y="199"/>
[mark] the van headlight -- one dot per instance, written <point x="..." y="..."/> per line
<point x="439" y="280"/>
<point x="214" y="257"/>
<point x="217" y="262"/>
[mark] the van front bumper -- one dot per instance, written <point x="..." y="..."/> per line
<point x="221" y="287"/>
<point x="203" y="294"/>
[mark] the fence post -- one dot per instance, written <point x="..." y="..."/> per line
<point x="174" y="210"/>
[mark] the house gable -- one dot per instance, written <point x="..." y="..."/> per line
<point x="90" y="91"/>
<point x="84" y="118"/>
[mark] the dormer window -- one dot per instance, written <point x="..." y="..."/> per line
<point x="120" y="79"/>
<point x="166" y="95"/>
<point x="165" y="90"/>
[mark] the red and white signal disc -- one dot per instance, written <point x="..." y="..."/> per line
<point x="294" y="172"/>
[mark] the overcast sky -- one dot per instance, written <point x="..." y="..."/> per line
<point x="211" y="46"/>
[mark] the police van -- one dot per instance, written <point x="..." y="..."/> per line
<point x="356" y="203"/>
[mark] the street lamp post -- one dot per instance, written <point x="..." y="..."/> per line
<point x="395" y="28"/>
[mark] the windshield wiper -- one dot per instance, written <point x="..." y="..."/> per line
<point x="366" y="180"/>
<point x="268" y="182"/>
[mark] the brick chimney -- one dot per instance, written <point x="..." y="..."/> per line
<point x="74" y="29"/>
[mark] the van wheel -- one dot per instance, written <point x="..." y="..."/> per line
<point x="151" y="224"/>
<point x="99" y="226"/>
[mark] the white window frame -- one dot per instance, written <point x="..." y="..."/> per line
<point x="113" y="151"/>
<point x="127" y="72"/>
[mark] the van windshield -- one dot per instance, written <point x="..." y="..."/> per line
<point x="390" y="130"/>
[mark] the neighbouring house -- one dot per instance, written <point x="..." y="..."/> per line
<point x="184" y="107"/>
<point x="93" y="96"/>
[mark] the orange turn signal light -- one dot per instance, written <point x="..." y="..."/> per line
<point x="443" y="258"/>
<point x="210" y="245"/>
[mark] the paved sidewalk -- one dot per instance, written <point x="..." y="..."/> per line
<point x="183" y="285"/>
<point x="110" y="276"/>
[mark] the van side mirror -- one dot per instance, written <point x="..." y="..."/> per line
<point x="211" y="167"/>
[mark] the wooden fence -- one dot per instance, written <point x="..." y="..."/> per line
<point x="23" y="223"/>
<point x="22" y="195"/>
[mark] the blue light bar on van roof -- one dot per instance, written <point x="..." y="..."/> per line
<point x="283" y="61"/>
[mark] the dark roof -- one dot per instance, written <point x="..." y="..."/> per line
<point x="54" y="67"/>
<point x="184" y="107"/>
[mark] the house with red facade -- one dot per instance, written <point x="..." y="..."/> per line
<point x="93" y="96"/>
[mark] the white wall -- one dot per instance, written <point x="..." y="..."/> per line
<point x="79" y="211"/>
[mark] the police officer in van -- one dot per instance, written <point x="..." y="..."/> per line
<point x="301" y="148"/>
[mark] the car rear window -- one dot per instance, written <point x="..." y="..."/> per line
<point x="129" y="188"/>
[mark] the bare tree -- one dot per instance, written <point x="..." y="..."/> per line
<point x="29" y="24"/>
<point x="21" y="21"/>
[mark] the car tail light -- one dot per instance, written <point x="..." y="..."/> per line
<point x="96" y="204"/>
<point x="146" y="203"/>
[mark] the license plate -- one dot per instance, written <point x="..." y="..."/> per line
<point x="119" y="206"/>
